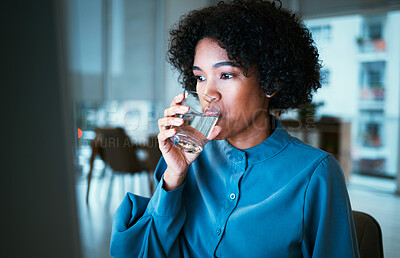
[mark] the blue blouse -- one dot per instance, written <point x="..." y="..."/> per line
<point x="281" y="198"/>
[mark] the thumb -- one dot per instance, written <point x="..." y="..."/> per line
<point x="215" y="132"/>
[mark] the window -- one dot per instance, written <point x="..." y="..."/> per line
<point x="370" y="128"/>
<point x="372" y="80"/>
<point x="321" y="33"/>
<point x="372" y="34"/>
<point x="373" y="27"/>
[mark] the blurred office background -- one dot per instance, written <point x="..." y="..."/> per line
<point x="76" y="70"/>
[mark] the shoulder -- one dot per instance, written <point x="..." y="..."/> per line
<point x="324" y="173"/>
<point x="298" y="145"/>
<point x="295" y="149"/>
<point x="300" y="158"/>
<point x="328" y="170"/>
<point x="300" y="152"/>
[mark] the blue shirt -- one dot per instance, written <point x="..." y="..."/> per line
<point x="281" y="198"/>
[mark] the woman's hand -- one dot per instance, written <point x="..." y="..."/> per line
<point x="177" y="160"/>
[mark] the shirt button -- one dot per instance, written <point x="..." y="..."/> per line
<point x="218" y="231"/>
<point x="238" y="157"/>
<point x="232" y="196"/>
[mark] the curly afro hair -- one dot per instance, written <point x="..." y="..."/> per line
<point x="254" y="33"/>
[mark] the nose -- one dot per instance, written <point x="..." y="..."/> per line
<point x="212" y="91"/>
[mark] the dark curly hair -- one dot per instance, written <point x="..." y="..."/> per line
<point x="254" y="33"/>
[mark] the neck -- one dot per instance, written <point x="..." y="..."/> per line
<point x="256" y="133"/>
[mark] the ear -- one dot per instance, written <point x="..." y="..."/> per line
<point x="271" y="95"/>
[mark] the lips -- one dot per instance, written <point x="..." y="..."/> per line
<point x="210" y="112"/>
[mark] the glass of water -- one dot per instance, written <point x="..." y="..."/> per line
<point x="203" y="114"/>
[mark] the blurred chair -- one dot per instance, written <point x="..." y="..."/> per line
<point x="369" y="235"/>
<point x="119" y="153"/>
<point x="153" y="152"/>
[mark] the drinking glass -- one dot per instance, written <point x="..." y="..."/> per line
<point x="203" y="114"/>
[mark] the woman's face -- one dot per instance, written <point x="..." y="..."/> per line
<point x="244" y="106"/>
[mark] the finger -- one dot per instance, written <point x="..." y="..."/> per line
<point x="177" y="100"/>
<point x="164" y="135"/>
<point x="171" y="111"/>
<point x="168" y="121"/>
<point x="215" y="132"/>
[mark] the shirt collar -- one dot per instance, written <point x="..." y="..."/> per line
<point x="276" y="142"/>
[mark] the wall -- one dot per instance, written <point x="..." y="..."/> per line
<point x="174" y="9"/>
<point x="325" y="8"/>
<point x="37" y="180"/>
<point x="85" y="49"/>
<point x="139" y="40"/>
<point x="338" y="55"/>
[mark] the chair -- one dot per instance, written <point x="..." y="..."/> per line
<point x="119" y="153"/>
<point x="369" y="235"/>
<point x="153" y="152"/>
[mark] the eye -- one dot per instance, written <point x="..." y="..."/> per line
<point x="200" y="78"/>
<point x="226" y="76"/>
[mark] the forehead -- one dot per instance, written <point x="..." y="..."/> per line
<point x="209" y="51"/>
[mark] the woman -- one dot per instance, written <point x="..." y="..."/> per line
<point x="254" y="190"/>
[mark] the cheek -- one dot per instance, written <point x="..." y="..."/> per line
<point x="197" y="88"/>
<point x="238" y="114"/>
<point x="243" y="114"/>
<point x="242" y="101"/>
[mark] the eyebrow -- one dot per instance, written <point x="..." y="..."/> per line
<point x="224" y="63"/>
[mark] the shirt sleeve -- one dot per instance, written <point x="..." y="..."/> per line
<point x="328" y="226"/>
<point x="149" y="227"/>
